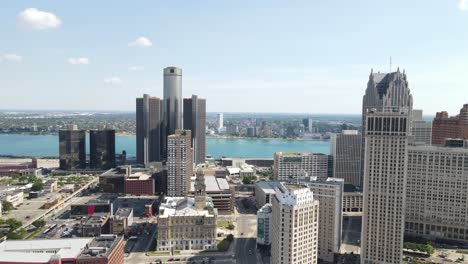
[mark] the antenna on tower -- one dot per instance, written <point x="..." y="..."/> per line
<point x="390" y="64"/>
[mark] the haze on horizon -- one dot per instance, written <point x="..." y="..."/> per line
<point x="243" y="56"/>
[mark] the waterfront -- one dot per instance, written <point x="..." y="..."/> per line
<point x="47" y="145"/>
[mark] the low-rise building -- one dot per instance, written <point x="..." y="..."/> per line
<point x="130" y="180"/>
<point x="52" y="201"/>
<point x="15" y="197"/>
<point x="121" y="220"/>
<point x="104" y="249"/>
<point x="95" y="225"/>
<point x="219" y="191"/>
<point x="100" y="205"/>
<point x="51" y="185"/>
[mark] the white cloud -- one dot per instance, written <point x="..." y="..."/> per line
<point x="11" y="57"/>
<point x="114" y="80"/>
<point x="35" y="19"/>
<point x="135" y="68"/>
<point x="463" y="5"/>
<point x="76" y="61"/>
<point x="140" y="42"/>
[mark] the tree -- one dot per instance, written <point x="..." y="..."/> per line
<point x="230" y="238"/>
<point x="32" y="178"/>
<point x="13" y="223"/>
<point x="7" y="206"/>
<point x="39" y="223"/>
<point x="17" y="234"/>
<point x="38" y="185"/>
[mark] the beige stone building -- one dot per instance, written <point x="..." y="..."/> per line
<point x="179" y="163"/>
<point x="295" y="225"/>
<point x="436" y="196"/>
<point x="387" y="134"/>
<point x="187" y="223"/>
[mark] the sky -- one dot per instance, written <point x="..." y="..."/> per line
<point x="279" y="56"/>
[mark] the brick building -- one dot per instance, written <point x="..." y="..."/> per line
<point x="444" y="126"/>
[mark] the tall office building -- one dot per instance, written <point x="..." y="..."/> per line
<point x="436" y="196"/>
<point x="385" y="90"/>
<point x="421" y="129"/>
<point x="346" y="152"/>
<point x="102" y="149"/>
<point x="308" y="124"/>
<point x="72" y="148"/>
<point x="329" y="193"/>
<point x="387" y="134"/>
<point x="300" y="166"/>
<point x="179" y="163"/>
<point x="295" y="225"/>
<point x="172" y="105"/>
<point x="148" y="129"/>
<point x="444" y="126"/>
<point x="220" y="121"/>
<point x="195" y="121"/>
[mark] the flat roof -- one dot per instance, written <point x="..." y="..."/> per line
<point x="123" y="212"/>
<point x="22" y="250"/>
<point x="212" y="184"/>
<point x="180" y="206"/>
<point x="268" y="186"/>
<point x="102" y="245"/>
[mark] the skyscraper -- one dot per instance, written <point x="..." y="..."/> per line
<point x="102" y="149"/>
<point x="385" y="90"/>
<point x="148" y="129"/>
<point x="421" y="129"/>
<point x="195" y="121"/>
<point x="220" y="121"/>
<point x="387" y="133"/>
<point x="346" y="152"/>
<point x="72" y="148"/>
<point x="179" y="163"/>
<point x="172" y="105"/>
<point x="295" y="225"/>
<point x="329" y="193"/>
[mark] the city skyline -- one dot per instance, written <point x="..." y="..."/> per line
<point x="298" y="50"/>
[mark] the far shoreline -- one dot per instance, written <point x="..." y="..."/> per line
<point x="208" y="137"/>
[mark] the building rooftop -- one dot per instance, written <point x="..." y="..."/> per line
<point x="124" y="212"/>
<point x="179" y="206"/>
<point x="212" y="184"/>
<point x="41" y="251"/>
<point x="96" y="219"/>
<point x="139" y="176"/>
<point x="268" y="186"/>
<point x="101" y="246"/>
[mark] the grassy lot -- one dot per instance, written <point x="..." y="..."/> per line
<point x="225" y="224"/>
<point x="33" y="234"/>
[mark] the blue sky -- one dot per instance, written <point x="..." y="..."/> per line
<point x="242" y="56"/>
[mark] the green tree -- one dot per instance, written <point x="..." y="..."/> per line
<point x="13" y="223"/>
<point x="32" y="178"/>
<point x="17" y="234"/>
<point x="7" y="206"/>
<point x="38" y="185"/>
<point x="39" y="223"/>
<point x="23" y="178"/>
